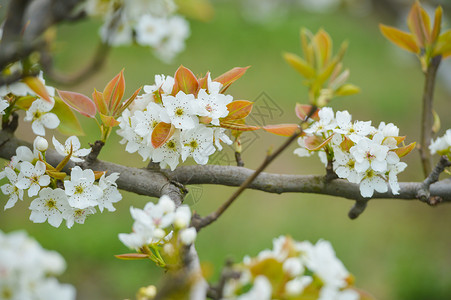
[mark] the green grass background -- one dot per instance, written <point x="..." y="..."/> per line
<point x="396" y="250"/>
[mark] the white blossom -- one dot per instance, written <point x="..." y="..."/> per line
<point x="80" y="189"/>
<point x="77" y="215"/>
<point x="71" y="143"/>
<point x="180" y="110"/>
<point x="41" y="117"/>
<point x="150" y="30"/>
<point x="169" y="153"/>
<point x="442" y="145"/>
<point x="198" y="143"/>
<point x="4" y="104"/>
<point x="110" y="193"/>
<point x="51" y="205"/>
<point x="11" y="189"/>
<point x="32" y="177"/>
<point x="296" y="286"/>
<point x="213" y="106"/>
<point x="188" y="235"/>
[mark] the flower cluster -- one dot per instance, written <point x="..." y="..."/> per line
<point x="57" y="198"/>
<point x="292" y="270"/>
<point x="159" y="230"/>
<point x="165" y="127"/>
<point x="442" y="145"/>
<point x="27" y="270"/>
<point x="359" y="152"/>
<point x="149" y="23"/>
<point x="38" y="112"/>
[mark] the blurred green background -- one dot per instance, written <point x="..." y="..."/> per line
<point x="396" y="249"/>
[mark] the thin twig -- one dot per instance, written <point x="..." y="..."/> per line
<point x="427" y="121"/>
<point x="97" y="62"/>
<point x="239" y="160"/>
<point x="199" y="222"/>
<point x="423" y="193"/>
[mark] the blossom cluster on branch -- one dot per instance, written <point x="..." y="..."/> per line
<point x="359" y="152"/>
<point x="58" y="198"/>
<point x="148" y="23"/>
<point x="160" y="232"/>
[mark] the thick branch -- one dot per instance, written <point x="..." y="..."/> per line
<point x="149" y="182"/>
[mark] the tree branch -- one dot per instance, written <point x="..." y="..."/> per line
<point x="152" y="182"/>
<point x="427" y="121"/>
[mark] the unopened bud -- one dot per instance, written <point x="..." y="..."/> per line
<point x="188" y="236"/>
<point x="159" y="233"/>
<point x="41" y="144"/>
<point x="147" y="293"/>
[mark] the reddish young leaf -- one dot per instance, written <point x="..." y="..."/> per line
<point x="416" y="23"/>
<point x="36" y="85"/>
<point x="403" y="151"/>
<point x="161" y="134"/>
<point x="127" y="103"/>
<point x="238" y="125"/>
<point x="98" y="174"/>
<point x="205" y="120"/>
<point x="203" y="82"/>
<point x="238" y="109"/>
<point x="302" y="110"/>
<point x="346" y="144"/>
<point x="400" y="38"/>
<point x="132" y="256"/>
<point x="283" y="129"/>
<point x="185" y="81"/>
<point x="230" y="77"/>
<point x="100" y="102"/>
<point x="114" y="91"/>
<point x="399" y="139"/>
<point x="79" y="102"/>
<point x="313" y="143"/>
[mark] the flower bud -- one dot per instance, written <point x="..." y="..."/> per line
<point x="159" y="233"/>
<point x="188" y="236"/>
<point x="41" y="144"/>
<point x="166" y="204"/>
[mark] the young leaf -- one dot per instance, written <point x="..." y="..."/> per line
<point x="161" y="134"/>
<point x="230" y="77"/>
<point x="437" y="24"/>
<point x="443" y="45"/>
<point x="346" y="144"/>
<point x="302" y="110"/>
<point x="313" y="143"/>
<point x="100" y="102"/>
<point x="203" y="82"/>
<point x="238" y="109"/>
<point x="25" y="102"/>
<point x="127" y="103"/>
<point x="69" y="124"/>
<point x="98" y="174"/>
<point x="238" y="125"/>
<point x="299" y="65"/>
<point x="114" y="91"/>
<point x="416" y="25"/>
<point x="403" y="151"/>
<point x="36" y="85"/>
<point x="64" y="162"/>
<point x="108" y="121"/>
<point x="185" y="81"/>
<point x="79" y="102"/>
<point x="56" y="174"/>
<point x="400" y="38"/>
<point x="398" y="139"/>
<point x="346" y="90"/>
<point x="323" y="44"/>
<point x="132" y="256"/>
<point x="283" y="129"/>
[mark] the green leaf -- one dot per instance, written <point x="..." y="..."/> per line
<point x="25" y="102"/>
<point x="37" y="86"/>
<point x="69" y="124"/>
<point x="108" y="121"/>
<point x="132" y="256"/>
<point x="403" y="151"/>
<point x="400" y="38"/>
<point x="299" y="65"/>
<point x="346" y="90"/>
